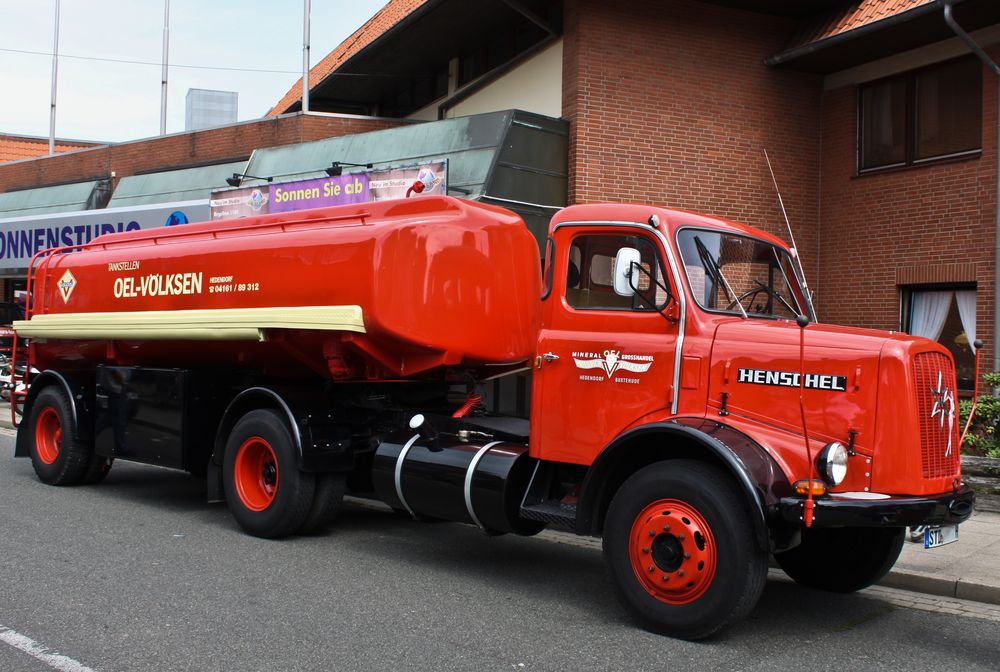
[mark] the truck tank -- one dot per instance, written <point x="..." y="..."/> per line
<point x="386" y="290"/>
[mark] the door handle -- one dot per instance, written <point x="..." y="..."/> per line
<point x="547" y="357"/>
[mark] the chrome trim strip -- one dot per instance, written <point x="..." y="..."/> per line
<point x="681" y="298"/>
<point x="399" y="473"/>
<point x="468" y="482"/>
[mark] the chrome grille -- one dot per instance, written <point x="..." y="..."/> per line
<point x="928" y="369"/>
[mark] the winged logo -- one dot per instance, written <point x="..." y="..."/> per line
<point x="612" y="362"/>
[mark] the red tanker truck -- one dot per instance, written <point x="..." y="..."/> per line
<point x="684" y="404"/>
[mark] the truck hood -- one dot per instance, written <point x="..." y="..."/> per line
<point x="756" y="364"/>
<point x="863" y="387"/>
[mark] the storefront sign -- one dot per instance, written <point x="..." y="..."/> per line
<point x="362" y="187"/>
<point x="22" y="237"/>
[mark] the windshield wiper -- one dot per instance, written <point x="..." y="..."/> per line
<point x="712" y="268"/>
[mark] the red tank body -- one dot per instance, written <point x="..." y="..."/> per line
<point x="375" y="291"/>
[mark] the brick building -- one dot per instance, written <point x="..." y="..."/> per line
<point x="880" y="122"/>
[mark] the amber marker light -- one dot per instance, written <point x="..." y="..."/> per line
<point x="818" y="488"/>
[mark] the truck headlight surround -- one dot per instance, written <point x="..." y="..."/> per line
<point x="832" y="463"/>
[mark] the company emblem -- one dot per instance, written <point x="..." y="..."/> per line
<point x="66" y="284"/>
<point x="612" y="361"/>
<point x="257" y="200"/>
<point x="944" y="409"/>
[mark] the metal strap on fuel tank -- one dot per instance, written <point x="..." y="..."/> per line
<point x="399" y="473"/>
<point x="468" y="482"/>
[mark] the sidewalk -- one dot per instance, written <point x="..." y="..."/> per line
<point x="968" y="569"/>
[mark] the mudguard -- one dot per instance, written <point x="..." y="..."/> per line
<point x="761" y="480"/>
<point x="79" y="388"/>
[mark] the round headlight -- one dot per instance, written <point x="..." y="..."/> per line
<point x="832" y="463"/>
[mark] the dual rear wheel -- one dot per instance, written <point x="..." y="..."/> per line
<point x="59" y="455"/>
<point x="267" y="493"/>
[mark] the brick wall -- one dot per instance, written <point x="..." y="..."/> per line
<point x="670" y="103"/>
<point x="921" y="224"/>
<point x="182" y="149"/>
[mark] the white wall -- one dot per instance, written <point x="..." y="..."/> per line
<point x="534" y="86"/>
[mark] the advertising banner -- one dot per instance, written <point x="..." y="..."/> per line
<point x="22" y="237"/>
<point x="365" y="187"/>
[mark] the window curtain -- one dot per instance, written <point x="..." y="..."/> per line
<point x="966" y="300"/>
<point x="928" y="313"/>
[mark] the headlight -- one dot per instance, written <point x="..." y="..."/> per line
<point x="832" y="463"/>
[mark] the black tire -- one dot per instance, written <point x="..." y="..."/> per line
<point x="265" y="491"/>
<point x="707" y="573"/>
<point x="57" y="454"/>
<point x="97" y="468"/>
<point x="842" y="559"/>
<point x="327" y="502"/>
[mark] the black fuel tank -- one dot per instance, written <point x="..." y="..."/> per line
<point x="481" y="483"/>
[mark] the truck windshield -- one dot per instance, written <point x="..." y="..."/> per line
<point x="737" y="274"/>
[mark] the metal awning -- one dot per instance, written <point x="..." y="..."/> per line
<point x="511" y="158"/>
<point x="62" y="198"/>
<point x="186" y="184"/>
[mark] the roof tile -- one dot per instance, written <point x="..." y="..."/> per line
<point x="15" y="148"/>
<point x="386" y="18"/>
<point x="851" y="17"/>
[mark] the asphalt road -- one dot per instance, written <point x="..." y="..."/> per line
<point x="139" y="573"/>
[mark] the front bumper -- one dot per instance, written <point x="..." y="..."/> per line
<point x="949" y="508"/>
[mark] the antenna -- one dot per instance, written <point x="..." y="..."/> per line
<point x="798" y="257"/>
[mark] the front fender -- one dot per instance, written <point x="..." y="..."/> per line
<point x="760" y="480"/>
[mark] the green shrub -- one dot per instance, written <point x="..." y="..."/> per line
<point x="984" y="434"/>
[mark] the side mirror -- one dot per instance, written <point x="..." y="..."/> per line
<point x="626" y="257"/>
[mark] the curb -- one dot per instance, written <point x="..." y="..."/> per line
<point x="932" y="584"/>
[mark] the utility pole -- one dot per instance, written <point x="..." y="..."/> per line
<point x="163" y="76"/>
<point x="306" y="10"/>
<point x="52" y="96"/>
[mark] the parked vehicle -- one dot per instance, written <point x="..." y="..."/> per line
<point x="685" y="405"/>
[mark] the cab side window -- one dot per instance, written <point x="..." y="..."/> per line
<point x="589" y="277"/>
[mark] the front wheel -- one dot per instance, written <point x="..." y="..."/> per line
<point x="842" y="559"/>
<point x="680" y="547"/>
<point x="265" y="491"/>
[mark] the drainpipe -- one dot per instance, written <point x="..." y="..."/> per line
<point x="985" y="58"/>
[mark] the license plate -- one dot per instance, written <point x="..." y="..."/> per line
<point x="939" y="536"/>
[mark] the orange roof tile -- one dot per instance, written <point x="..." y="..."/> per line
<point x="853" y="16"/>
<point x="17" y="147"/>
<point x="393" y="12"/>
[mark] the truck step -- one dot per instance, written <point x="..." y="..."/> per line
<point x="552" y="512"/>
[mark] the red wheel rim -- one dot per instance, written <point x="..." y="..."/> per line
<point x="256" y="474"/>
<point x="48" y="435"/>
<point x="673" y="551"/>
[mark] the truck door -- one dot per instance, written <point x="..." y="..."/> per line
<point x="605" y="360"/>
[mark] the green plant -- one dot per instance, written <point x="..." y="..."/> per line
<point x="984" y="436"/>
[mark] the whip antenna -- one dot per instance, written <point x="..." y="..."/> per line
<point x="798" y="257"/>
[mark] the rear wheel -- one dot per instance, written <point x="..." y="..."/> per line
<point x="97" y="468"/>
<point x="266" y="492"/>
<point x="57" y="455"/>
<point x="327" y="501"/>
<point x="843" y="559"/>
<point x="681" y="551"/>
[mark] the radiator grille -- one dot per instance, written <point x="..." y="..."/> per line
<point x="934" y="376"/>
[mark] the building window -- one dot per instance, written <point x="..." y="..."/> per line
<point x="947" y="316"/>
<point x="927" y="114"/>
